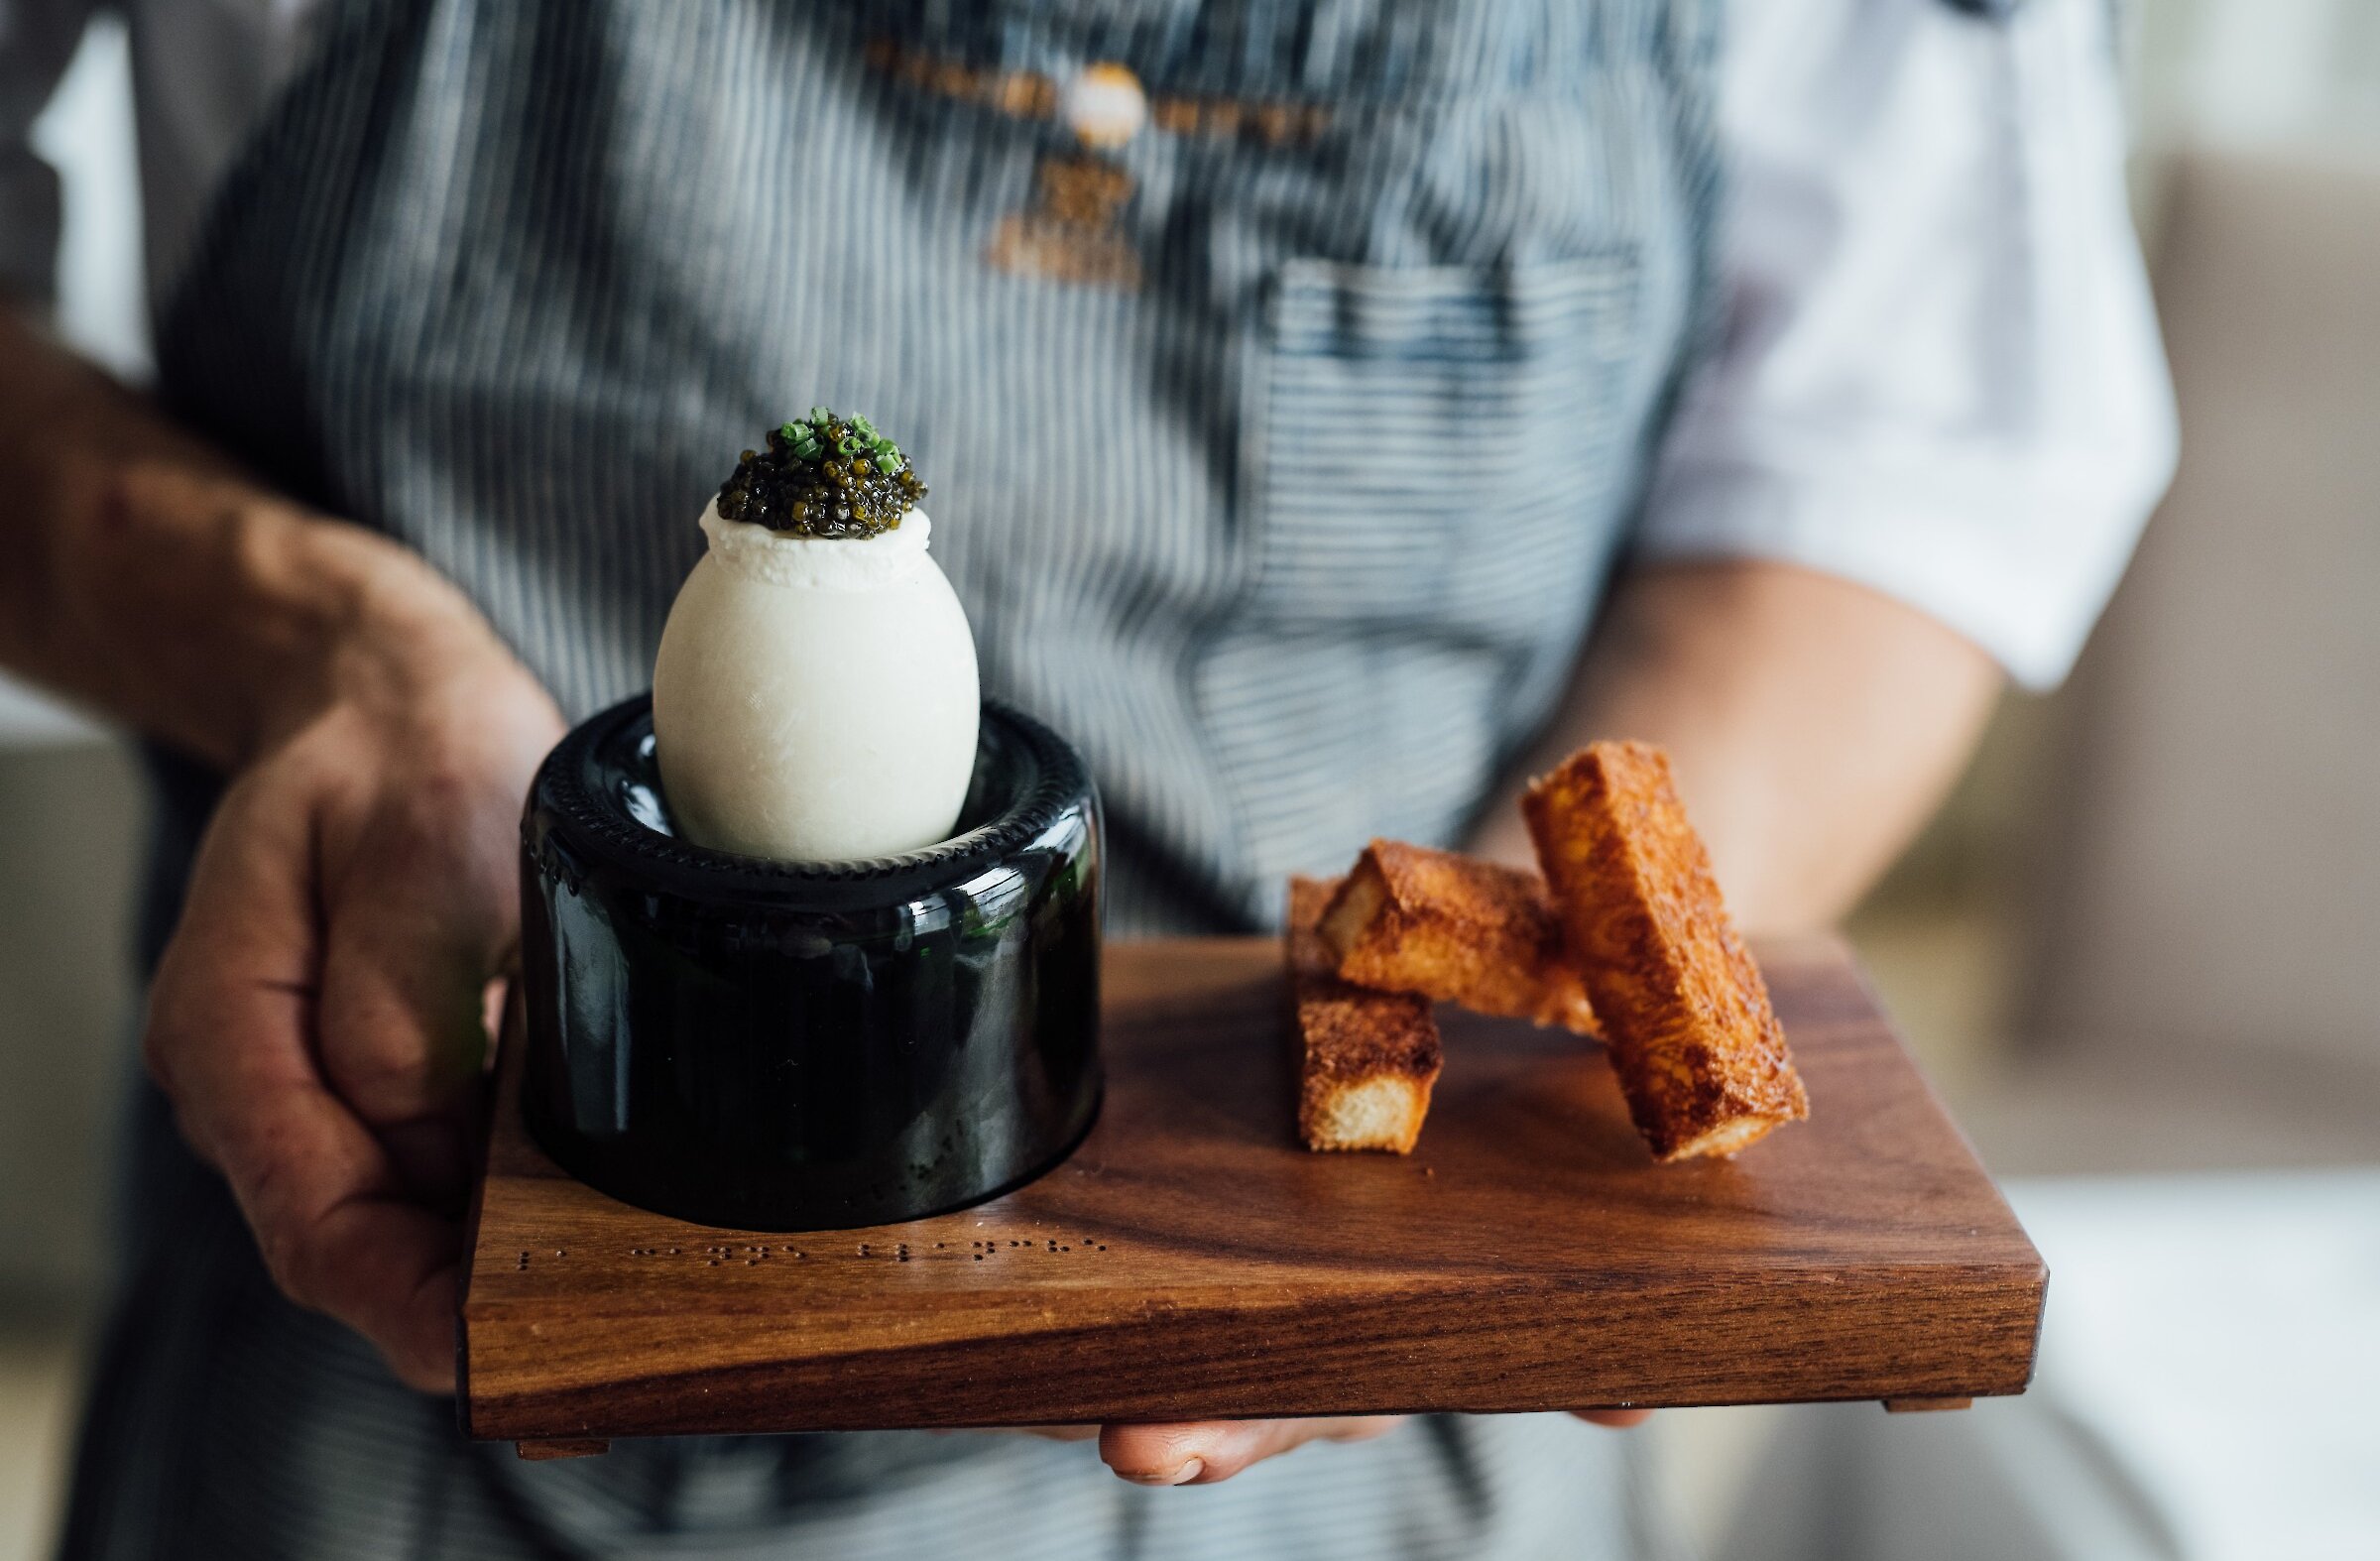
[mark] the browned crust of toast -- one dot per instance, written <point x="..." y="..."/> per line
<point x="1408" y="918"/>
<point x="1354" y="1039"/>
<point x="1701" y="1056"/>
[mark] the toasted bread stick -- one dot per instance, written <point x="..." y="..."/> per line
<point x="1367" y="1059"/>
<point x="1699" y="1053"/>
<point x="1407" y="918"/>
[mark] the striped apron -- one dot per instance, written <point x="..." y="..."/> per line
<point x="1285" y="373"/>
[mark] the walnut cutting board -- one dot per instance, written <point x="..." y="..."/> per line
<point x="1191" y="1260"/>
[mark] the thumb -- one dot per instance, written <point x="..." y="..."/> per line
<point x="228" y="1038"/>
<point x="1204" y="1452"/>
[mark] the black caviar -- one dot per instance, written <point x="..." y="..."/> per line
<point x="824" y="475"/>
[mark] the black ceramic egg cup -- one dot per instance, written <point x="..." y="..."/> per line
<point x="775" y="1046"/>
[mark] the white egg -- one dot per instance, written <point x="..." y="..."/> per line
<point x="815" y="698"/>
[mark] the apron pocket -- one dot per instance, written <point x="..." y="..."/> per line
<point x="1435" y="465"/>
<point x="1441" y="446"/>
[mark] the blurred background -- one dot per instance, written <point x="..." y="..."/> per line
<point x="2136" y="952"/>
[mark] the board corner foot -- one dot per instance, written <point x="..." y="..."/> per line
<point x="538" y="1450"/>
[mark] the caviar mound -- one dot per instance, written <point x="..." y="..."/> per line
<point x="824" y="475"/>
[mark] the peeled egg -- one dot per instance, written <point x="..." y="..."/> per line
<point x="815" y="699"/>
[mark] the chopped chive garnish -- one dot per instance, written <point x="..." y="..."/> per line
<point x="809" y="482"/>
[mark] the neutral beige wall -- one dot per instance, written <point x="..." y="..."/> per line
<point x="70" y="823"/>
<point x="2216" y="879"/>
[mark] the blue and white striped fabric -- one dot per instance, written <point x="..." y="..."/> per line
<point x="1279" y="455"/>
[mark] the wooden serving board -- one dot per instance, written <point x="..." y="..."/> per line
<point x="1191" y="1261"/>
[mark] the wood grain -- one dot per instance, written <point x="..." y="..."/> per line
<point x="1191" y="1261"/>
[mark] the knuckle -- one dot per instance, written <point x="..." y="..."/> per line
<point x="441" y="789"/>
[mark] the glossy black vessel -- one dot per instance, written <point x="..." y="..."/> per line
<point x="774" y="1047"/>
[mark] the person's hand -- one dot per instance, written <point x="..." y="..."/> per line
<point x="318" y="1020"/>
<point x="1208" y="1452"/>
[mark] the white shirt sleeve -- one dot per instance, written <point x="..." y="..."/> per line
<point x="37" y="39"/>
<point x="1940" y="374"/>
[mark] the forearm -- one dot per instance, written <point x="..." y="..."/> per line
<point x="1812" y="725"/>
<point x="148" y="579"/>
